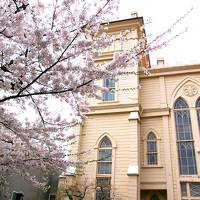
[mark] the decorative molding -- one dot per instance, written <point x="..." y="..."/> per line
<point x="171" y="70"/>
<point x="155" y="112"/>
<point x="113" y="108"/>
<point x="181" y="85"/>
<point x="101" y="136"/>
<point x="190" y="90"/>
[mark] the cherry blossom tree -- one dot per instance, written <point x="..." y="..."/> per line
<point x="47" y="52"/>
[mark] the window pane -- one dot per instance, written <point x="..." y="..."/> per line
<point x="105" y="155"/>
<point x="104" y="167"/>
<point x="109" y="83"/>
<point x="180" y="104"/>
<point x="195" y="189"/>
<point x="183" y="190"/>
<point x="110" y="95"/>
<point x="103" y="189"/>
<point x="152" y="159"/>
<point x="105" y="142"/>
<point x="103" y="182"/>
<point x="186" y="156"/>
<point x="151" y="147"/>
<point x="183" y="125"/>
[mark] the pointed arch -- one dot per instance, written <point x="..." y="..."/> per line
<point x="179" y="86"/>
<point x="153" y="131"/>
<point x="180" y="103"/>
<point x="105" y="142"/>
<point x="101" y="137"/>
<point x="151" y="136"/>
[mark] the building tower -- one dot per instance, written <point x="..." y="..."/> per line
<point x="110" y="134"/>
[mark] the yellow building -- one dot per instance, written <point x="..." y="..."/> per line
<point x="142" y="142"/>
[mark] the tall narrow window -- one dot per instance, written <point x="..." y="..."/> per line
<point x="198" y="110"/>
<point x="104" y="166"/>
<point x="110" y="94"/>
<point x="152" y="149"/>
<point x="184" y="138"/>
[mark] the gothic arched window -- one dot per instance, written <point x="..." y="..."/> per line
<point x="184" y="138"/>
<point x="198" y="110"/>
<point x="105" y="156"/>
<point x="152" y="154"/>
<point x="104" y="169"/>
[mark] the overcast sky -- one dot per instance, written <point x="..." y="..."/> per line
<point x="163" y="13"/>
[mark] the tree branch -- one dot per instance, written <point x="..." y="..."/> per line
<point x="43" y="92"/>
<point x="39" y="112"/>
<point x="50" y="67"/>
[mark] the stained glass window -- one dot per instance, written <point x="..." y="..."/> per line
<point x="185" y="143"/>
<point x="110" y="94"/>
<point x="152" y="149"/>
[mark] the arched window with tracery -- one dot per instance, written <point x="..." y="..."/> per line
<point x="104" y="169"/>
<point x="152" y="152"/>
<point x="184" y="138"/>
<point x="198" y="110"/>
